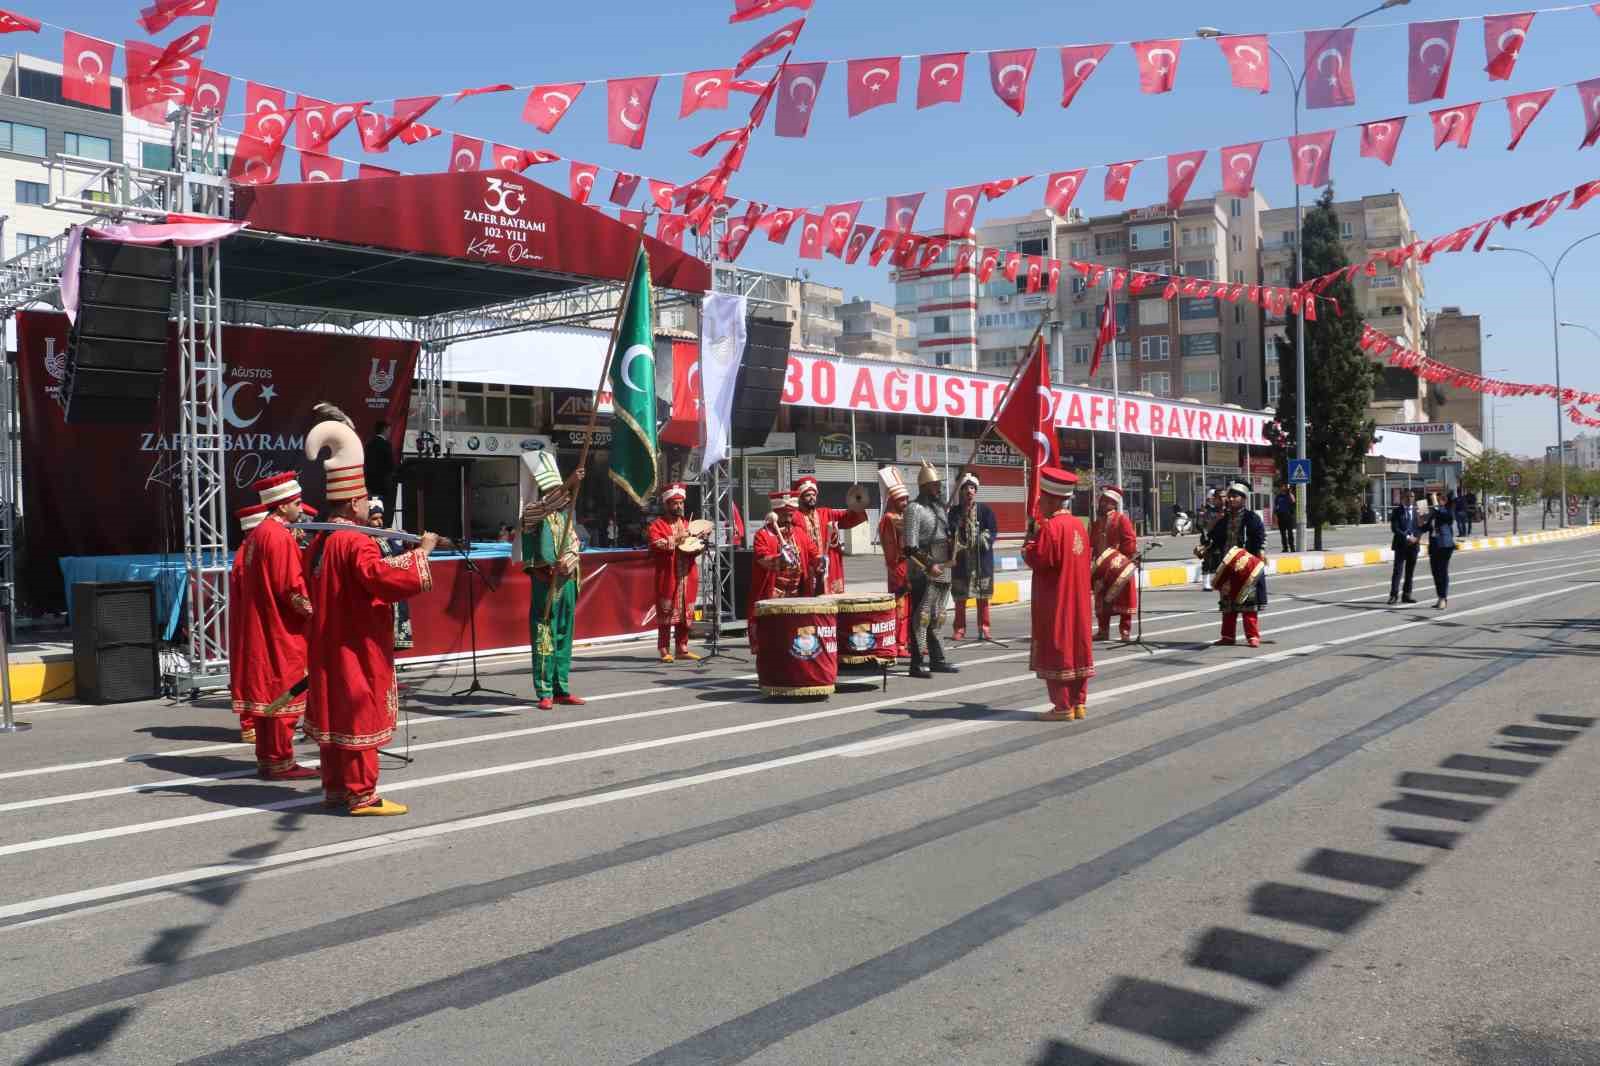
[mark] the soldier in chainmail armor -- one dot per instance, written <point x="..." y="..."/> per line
<point x="926" y="539"/>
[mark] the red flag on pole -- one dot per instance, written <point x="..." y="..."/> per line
<point x="1026" y="419"/>
<point x="1106" y="334"/>
<point x="872" y="83"/>
<point x="1380" y="139"/>
<point x="1249" y="62"/>
<point x="1078" y="63"/>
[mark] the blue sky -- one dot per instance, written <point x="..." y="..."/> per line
<point x="367" y="49"/>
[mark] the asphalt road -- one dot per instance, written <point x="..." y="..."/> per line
<point x="1371" y="841"/>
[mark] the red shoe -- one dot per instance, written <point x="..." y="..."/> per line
<point x="293" y="773"/>
<point x="959" y="634"/>
<point x="570" y="700"/>
<point x="547" y="704"/>
<point x="1255" y="642"/>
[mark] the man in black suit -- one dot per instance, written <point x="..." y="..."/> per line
<point x="379" y="470"/>
<point x="1403" y="523"/>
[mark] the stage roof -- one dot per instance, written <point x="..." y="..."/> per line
<point x="427" y="244"/>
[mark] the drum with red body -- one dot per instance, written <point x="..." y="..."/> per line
<point x="1236" y="578"/>
<point x="866" y="631"/>
<point x="797" y="646"/>
<point x="1111" y="577"/>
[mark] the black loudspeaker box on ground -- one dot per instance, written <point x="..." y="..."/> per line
<point x="114" y="645"/>
<point x="117" y="353"/>
<point x="758" y="391"/>
<point x="744" y="561"/>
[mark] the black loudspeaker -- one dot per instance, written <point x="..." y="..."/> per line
<point x="114" y="651"/>
<point x="117" y="354"/>
<point x="744" y="562"/>
<point x="758" y="390"/>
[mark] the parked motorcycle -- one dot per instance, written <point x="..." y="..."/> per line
<point x="1183" y="523"/>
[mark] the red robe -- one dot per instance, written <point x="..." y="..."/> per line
<point x="352" y="700"/>
<point x="820" y="523"/>
<point x="677" y="573"/>
<point x="771" y="584"/>
<point x="1063" y="634"/>
<point x="1116" y="531"/>
<point x="267" y="621"/>
<point x="894" y="565"/>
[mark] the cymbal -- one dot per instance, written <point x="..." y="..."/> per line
<point x="857" y="499"/>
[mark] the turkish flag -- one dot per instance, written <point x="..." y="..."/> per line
<point x="484" y="90"/>
<point x="798" y="86"/>
<point x="1550" y="207"/>
<point x="683" y="428"/>
<point x="941" y="78"/>
<point x="738" y="234"/>
<point x="885" y="240"/>
<point x="811" y="237"/>
<point x="661" y="193"/>
<point x="1182" y="168"/>
<point x="86" y="70"/>
<point x="623" y="188"/>
<point x="857" y="243"/>
<point x="745" y="10"/>
<point x="1009" y="72"/>
<point x="905" y="250"/>
<point x="211" y="91"/>
<point x="405" y="125"/>
<point x="580" y="181"/>
<point x="506" y="157"/>
<point x="1503" y="38"/>
<point x="1433" y="46"/>
<point x="764" y="91"/>
<point x="1239" y="168"/>
<point x="1589" y="96"/>
<point x="960" y="208"/>
<point x="872" y="83"/>
<point x="1329" y="80"/>
<point x="314" y="166"/>
<point x="318" y="123"/>
<point x="1117" y="177"/>
<point x="628" y="110"/>
<point x="993" y="190"/>
<point x="705" y="89"/>
<point x="966" y="256"/>
<point x="1312" y="156"/>
<point x="700" y="151"/>
<point x="256" y="161"/>
<point x="466" y="154"/>
<point x="14" y="23"/>
<point x="190" y="44"/>
<point x="548" y="104"/>
<point x="1107" y="333"/>
<point x="1249" y="62"/>
<point x="778" y="223"/>
<point x="1158" y="64"/>
<point x="1026" y="419"/>
<point x="367" y="170"/>
<point x="1522" y="110"/>
<point x="267" y="113"/>
<point x="163" y="13"/>
<point x="1078" y="62"/>
<point x="1013" y="266"/>
<point x="670" y="229"/>
<point x="1453" y="124"/>
<point x="1035" y="273"/>
<point x="372" y="126"/>
<point x="1062" y="189"/>
<point x="1380" y="139"/>
<point x="933" y="250"/>
<point x="836" y="229"/>
<point x="900" y="212"/>
<point x="1583" y="194"/>
<point x="987" y="264"/>
<point x="148" y="92"/>
<point x="774" y="42"/>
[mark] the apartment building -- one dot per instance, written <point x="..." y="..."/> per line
<point x="1390" y="301"/>
<point x="873" y="330"/>
<point x="941" y="308"/>
<point x="1456" y="339"/>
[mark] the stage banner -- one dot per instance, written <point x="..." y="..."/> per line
<point x="113" y="490"/>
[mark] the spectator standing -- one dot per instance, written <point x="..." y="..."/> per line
<point x="1465" y="504"/>
<point x="1441" y="546"/>
<point x="1283" y="513"/>
<point x="379" y="468"/>
<point x="1404" y="524"/>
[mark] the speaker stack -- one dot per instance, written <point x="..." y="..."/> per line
<point x="117" y="353"/>
<point x="114" y="651"/>
<point x="758" y="390"/>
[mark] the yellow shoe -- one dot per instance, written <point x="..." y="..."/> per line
<point x="382" y="809"/>
<point x="1080" y="712"/>
<point x="1056" y="714"/>
<point x="689" y="655"/>
<point x="666" y="657"/>
<point x="247" y="736"/>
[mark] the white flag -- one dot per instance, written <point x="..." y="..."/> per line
<point x="722" y="340"/>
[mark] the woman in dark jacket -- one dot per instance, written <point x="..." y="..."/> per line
<point x="1441" y="528"/>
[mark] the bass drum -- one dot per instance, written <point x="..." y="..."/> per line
<point x="866" y="632"/>
<point x="797" y="653"/>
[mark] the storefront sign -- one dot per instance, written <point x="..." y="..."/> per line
<point x="1423" y="428"/>
<point x="821" y="382"/>
<point x="570" y="410"/>
<point x="572" y="439"/>
<point x="835" y="447"/>
<point x="459" y="443"/>
<point x="1260" y="465"/>
<point x="1226" y="455"/>
<point x="992" y="452"/>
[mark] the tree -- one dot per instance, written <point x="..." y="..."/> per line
<point x="1340" y="380"/>
<point x="1487" y="474"/>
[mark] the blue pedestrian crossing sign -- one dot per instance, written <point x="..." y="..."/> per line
<point x="1299" y="471"/>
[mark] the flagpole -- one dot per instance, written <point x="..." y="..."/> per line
<point x="1116" y="393"/>
<point x="993" y="418"/>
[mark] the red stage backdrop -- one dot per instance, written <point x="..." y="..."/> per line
<point x="112" y="490"/>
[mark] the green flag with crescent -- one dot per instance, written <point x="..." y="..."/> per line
<point x="633" y="390"/>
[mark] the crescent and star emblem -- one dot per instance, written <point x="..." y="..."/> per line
<point x="1187" y="163"/>
<point x="638" y="351"/>
<point x="1444" y="47"/>
<point x="1170" y="55"/>
<point x="1242" y="50"/>
<point x="1084" y="67"/>
<point x="83" y="66"/>
<point x="956" y="203"/>
<point x="945" y="80"/>
<point x="558" y="101"/>
<point x="1333" y="54"/>
<point x="704" y="86"/>
<point x="866" y="79"/>
<point x="811" y="95"/>
<point x="1242" y="162"/>
<point x="1315" y="149"/>
<point x="622" y="115"/>
<point x="1013" y="89"/>
<point x="1511" y="34"/>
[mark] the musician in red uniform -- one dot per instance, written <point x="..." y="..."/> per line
<point x="895" y="498"/>
<point x="249" y="518"/>
<point x="1116" y="587"/>
<point x="1062" y="652"/>
<point x="270" y="619"/>
<point x="677" y="575"/>
<point x="822" y="525"/>
<point x="786" y="559"/>
<point x="352" y="700"/>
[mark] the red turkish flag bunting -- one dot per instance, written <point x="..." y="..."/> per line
<point x="905" y="251"/>
<point x="1107" y="333"/>
<point x="700" y="151"/>
<point x="1522" y="109"/>
<point x="960" y="208"/>
<point x="189" y="44"/>
<point x="1503" y="38"/>
<point x="745" y="10"/>
<point x="900" y="212"/>
<point x="1078" y="63"/>
<point x="1062" y="189"/>
<point x="1117" y="177"/>
<point x="211" y="91"/>
<point x="838" y="220"/>
<point x="580" y="181"/>
<point x="256" y="161"/>
<point x="314" y="166"/>
<point x="319" y="123"/>
<point x="623" y="188"/>
<point x="484" y="90"/>
<point x="1453" y="124"/>
<point x="405" y="125"/>
<point x="705" y="89"/>
<point x="372" y="126"/>
<point x="267" y="113"/>
<point x="1009" y="72"/>
<point x="798" y="86"/>
<point x="1053" y="273"/>
<point x="993" y="190"/>
<point x="872" y="83"/>
<point x="778" y="223"/>
<point x="966" y="256"/>
<point x="465" y="154"/>
<point x="1013" y="266"/>
<point x="1026" y="419"/>
<point x="1312" y="155"/>
<point x="738" y="234"/>
<point x="933" y="250"/>
<point x="670" y="229"/>
<point x="14" y="23"/>
<point x="628" y="110"/>
<point x="1380" y="139"/>
<point x="163" y="13"/>
<point x="857" y="243"/>
<point x="885" y="240"/>
<point x="548" y="104"/>
<point x="520" y="159"/>
<point x="1433" y="47"/>
<point x="1035" y="273"/>
<point x="661" y="193"/>
<point x="1239" y="168"/>
<point x="1329" y="80"/>
<point x="148" y="93"/>
<point x="940" y="79"/>
<point x="1249" y="62"/>
<point x="1158" y="64"/>
<point x="86" y="70"/>
<point x="1182" y="169"/>
<point x="1583" y="194"/>
<point x="772" y="43"/>
<point x="987" y="264"/>
<point x="367" y="170"/>
<point x="1589" y="95"/>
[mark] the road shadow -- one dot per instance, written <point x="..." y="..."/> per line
<point x="219" y="734"/>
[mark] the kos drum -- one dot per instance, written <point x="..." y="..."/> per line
<point x="866" y="631"/>
<point x="797" y="650"/>
<point x="1237" y="578"/>
<point x="1111" y="577"/>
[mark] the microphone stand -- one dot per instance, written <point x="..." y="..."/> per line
<point x="1138" y="562"/>
<point x="476" y="686"/>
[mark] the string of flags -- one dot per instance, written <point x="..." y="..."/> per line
<point x="1381" y="346"/>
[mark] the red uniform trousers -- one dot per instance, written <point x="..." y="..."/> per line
<point x="1252" y="625"/>
<point x="275" y="742"/>
<point x="1065" y="695"/>
<point x="902" y="623"/>
<point x="350" y="777"/>
<point x="960" y="627"/>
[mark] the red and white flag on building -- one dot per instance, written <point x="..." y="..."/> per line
<point x="771" y="44"/>
<point x="857" y="243"/>
<point x="163" y="13"/>
<point x="256" y="161"/>
<point x="838" y="219"/>
<point x="1009" y="72"/>
<point x="1329" y="80"/>
<point x="628" y="109"/>
<point x="1105" y="334"/>
<point x="745" y="10"/>
<point x="1589" y="96"/>
<point x="548" y="104"/>
<point x="314" y="166"/>
<point x="900" y="212"/>
<point x="960" y="209"/>
<point x="1062" y="188"/>
<point x="406" y="125"/>
<point x="11" y="22"/>
<point x="1312" y="157"/>
<point x="1239" y="168"/>
<point x="1078" y="64"/>
<point x="872" y="83"/>
<point x="267" y="113"/>
<point x="798" y="87"/>
<point x="1522" y="109"/>
<point x="1249" y="62"/>
<point x="1012" y="267"/>
<point x="811" y="237"/>
<point x="670" y="230"/>
<point x="1453" y="124"/>
<point x="987" y="264"/>
<point x="466" y="154"/>
<point x="1026" y="419"/>
<point x="1503" y="38"/>
<point x="1182" y="169"/>
<point x="580" y="181"/>
<point x="1433" y="48"/>
<point x="623" y="188"/>
<point x="318" y="122"/>
<point x="86" y="70"/>
<point x="1380" y="139"/>
<point x="705" y="90"/>
<point x="211" y="92"/>
<point x="778" y="222"/>
<point x="1035" y="273"/>
<point x="1117" y="178"/>
<point x="940" y="79"/>
<point x="1053" y="272"/>
<point x="1158" y="64"/>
